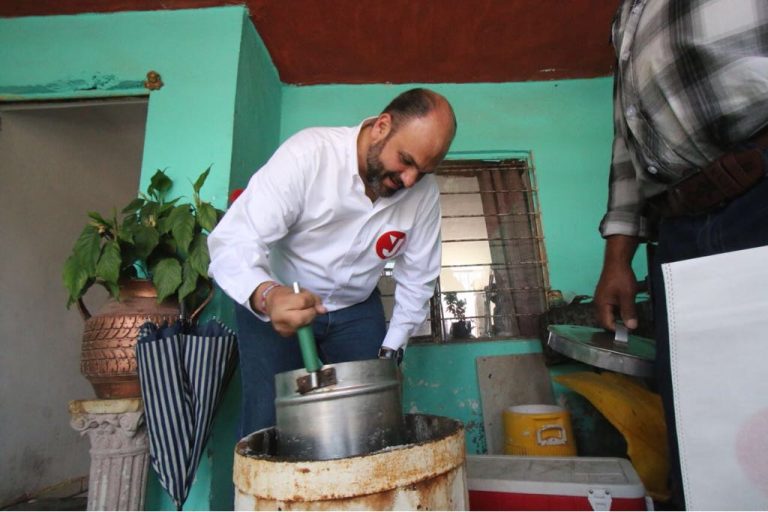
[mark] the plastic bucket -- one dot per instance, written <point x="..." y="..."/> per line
<point x="538" y="430"/>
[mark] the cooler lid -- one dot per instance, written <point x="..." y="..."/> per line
<point x="568" y="476"/>
<point x="598" y="347"/>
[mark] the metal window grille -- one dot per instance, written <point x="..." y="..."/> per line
<point x="494" y="278"/>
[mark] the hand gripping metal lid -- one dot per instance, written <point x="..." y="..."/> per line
<point x="601" y="348"/>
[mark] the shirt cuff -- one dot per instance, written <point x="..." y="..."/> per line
<point x="396" y="337"/>
<point x="623" y="223"/>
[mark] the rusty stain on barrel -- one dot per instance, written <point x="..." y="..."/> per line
<point x="426" y="473"/>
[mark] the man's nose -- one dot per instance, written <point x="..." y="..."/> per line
<point x="409" y="177"/>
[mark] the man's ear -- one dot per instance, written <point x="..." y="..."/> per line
<point x="381" y="127"/>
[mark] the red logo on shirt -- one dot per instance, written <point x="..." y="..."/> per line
<point x="389" y="243"/>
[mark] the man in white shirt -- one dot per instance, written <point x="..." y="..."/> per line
<point x="329" y="210"/>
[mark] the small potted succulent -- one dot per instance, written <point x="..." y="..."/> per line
<point x="153" y="261"/>
<point x="461" y="327"/>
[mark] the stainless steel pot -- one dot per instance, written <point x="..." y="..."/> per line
<point x="360" y="414"/>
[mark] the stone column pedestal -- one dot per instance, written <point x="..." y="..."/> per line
<point x="119" y="451"/>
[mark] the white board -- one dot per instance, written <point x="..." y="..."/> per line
<point x="718" y="323"/>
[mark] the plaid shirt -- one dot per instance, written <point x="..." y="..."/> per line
<point x="691" y="82"/>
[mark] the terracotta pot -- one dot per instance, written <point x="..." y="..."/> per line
<point x="108" y="357"/>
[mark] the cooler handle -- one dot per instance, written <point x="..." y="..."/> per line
<point x="599" y="499"/>
<point x="562" y="439"/>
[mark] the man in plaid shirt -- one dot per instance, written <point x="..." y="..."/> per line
<point x="690" y="101"/>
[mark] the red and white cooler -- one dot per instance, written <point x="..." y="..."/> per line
<point x="508" y="482"/>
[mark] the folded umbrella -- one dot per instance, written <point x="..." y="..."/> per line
<point x="183" y="371"/>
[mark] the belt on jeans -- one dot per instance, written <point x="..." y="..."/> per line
<point x="713" y="186"/>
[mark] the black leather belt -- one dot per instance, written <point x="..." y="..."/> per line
<point x="713" y="186"/>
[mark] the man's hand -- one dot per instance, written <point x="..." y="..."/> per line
<point x="617" y="287"/>
<point x="288" y="310"/>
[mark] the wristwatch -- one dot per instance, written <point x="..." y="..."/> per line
<point x="388" y="353"/>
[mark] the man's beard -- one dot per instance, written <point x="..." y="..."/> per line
<point x="375" y="173"/>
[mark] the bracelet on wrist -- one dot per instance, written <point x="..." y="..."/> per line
<point x="267" y="291"/>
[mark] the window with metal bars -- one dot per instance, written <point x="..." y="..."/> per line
<point x="494" y="279"/>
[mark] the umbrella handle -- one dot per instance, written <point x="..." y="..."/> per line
<point x="201" y="307"/>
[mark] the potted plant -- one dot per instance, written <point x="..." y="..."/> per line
<point x="153" y="261"/>
<point x="461" y="327"/>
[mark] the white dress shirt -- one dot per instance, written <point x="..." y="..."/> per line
<point x="305" y="217"/>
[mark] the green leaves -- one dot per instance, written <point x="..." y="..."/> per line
<point x="201" y="181"/>
<point x="189" y="283"/>
<point x="134" y="205"/>
<point x="159" y="185"/>
<point x="199" y="257"/>
<point x="159" y="237"/>
<point x="166" y="276"/>
<point x="108" y="266"/>
<point x="207" y="216"/>
<point x="81" y="264"/>
<point x="182" y="225"/>
<point x="74" y="276"/>
<point x="88" y="248"/>
<point x="145" y="239"/>
<point x="455" y="305"/>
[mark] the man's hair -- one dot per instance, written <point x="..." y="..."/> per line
<point x="413" y="104"/>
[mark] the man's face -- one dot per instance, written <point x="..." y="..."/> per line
<point x="404" y="156"/>
<point x="377" y="174"/>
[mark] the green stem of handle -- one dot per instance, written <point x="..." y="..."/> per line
<point x="307" y="343"/>
<point x="308" y="348"/>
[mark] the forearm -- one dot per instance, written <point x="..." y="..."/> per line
<point x="410" y="311"/>
<point x="620" y="250"/>
<point x="617" y="287"/>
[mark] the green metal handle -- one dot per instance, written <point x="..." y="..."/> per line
<point x="307" y="344"/>
<point x="308" y="348"/>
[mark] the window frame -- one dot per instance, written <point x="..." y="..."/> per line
<point x="522" y="162"/>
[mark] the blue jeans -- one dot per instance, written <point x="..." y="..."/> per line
<point x="350" y="334"/>
<point x="742" y="224"/>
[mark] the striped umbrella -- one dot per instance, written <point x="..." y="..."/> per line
<point x="183" y="372"/>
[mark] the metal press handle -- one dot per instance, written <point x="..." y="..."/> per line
<point x="621" y="334"/>
<point x="307" y="343"/>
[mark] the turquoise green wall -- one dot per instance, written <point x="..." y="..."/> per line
<point x="442" y="380"/>
<point x="257" y="110"/>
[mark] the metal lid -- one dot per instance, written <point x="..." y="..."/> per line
<point x="599" y="348"/>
